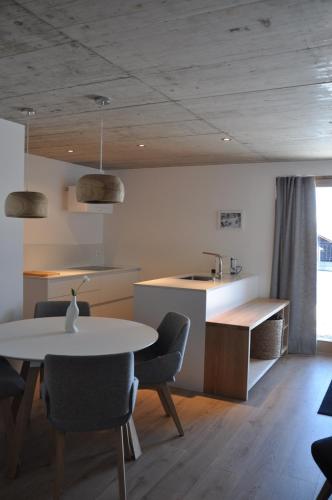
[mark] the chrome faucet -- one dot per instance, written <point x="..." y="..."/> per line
<point x="219" y="257"/>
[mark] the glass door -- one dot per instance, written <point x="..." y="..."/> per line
<point x="324" y="259"/>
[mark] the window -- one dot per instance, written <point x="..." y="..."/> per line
<point x="324" y="258"/>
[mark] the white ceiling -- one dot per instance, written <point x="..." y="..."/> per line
<point x="182" y="74"/>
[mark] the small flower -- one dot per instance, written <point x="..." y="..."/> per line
<point x="86" y="279"/>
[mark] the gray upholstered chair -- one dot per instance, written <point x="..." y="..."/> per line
<point x="53" y="308"/>
<point x="321" y="451"/>
<point x="158" y="364"/>
<point x="11" y="385"/>
<point x="89" y="394"/>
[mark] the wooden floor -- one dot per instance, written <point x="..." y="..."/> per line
<point x="259" y="449"/>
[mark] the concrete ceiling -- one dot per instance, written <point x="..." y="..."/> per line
<point x="182" y="74"/>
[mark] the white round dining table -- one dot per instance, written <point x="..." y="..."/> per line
<point x="31" y="340"/>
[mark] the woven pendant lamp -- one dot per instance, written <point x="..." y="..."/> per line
<point x="26" y="204"/>
<point x="100" y="188"/>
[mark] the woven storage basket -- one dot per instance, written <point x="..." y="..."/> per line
<point x="266" y="339"/>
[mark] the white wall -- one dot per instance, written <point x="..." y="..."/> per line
<point x="169" y="217"/>
<point x="63" y="238"/>
<point x="11" y="230"/>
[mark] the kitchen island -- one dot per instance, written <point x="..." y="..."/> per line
<point x="199" y="300"/>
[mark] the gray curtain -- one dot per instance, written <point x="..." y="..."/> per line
<point x="294" y="268"/>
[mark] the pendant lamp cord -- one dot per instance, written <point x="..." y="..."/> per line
<point x="27" y="135"/>
<point x="101" y="141"/>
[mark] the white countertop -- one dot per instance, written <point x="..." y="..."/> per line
<point x="70" y="273"/>
<point x="205" y="286"/>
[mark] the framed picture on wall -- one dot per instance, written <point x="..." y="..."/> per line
<point x="230" y="219"/>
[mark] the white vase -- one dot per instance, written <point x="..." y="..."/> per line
<point x="72" y="316"/>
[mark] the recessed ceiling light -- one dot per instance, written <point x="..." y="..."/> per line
<point x="141" y="145"/>
<point x="70" y="150"/>
<point x="226" y="139"/>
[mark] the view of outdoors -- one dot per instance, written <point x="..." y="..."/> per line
<point x="324" y="272"/>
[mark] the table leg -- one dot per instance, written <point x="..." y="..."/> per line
<point x="22" y="419"/>
<point x="135" y="447"/>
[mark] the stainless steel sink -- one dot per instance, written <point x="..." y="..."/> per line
<point x="196" y="277"/>
<point x="94" y="268"/>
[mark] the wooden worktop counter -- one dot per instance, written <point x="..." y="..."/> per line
<point x="250" y="314"/>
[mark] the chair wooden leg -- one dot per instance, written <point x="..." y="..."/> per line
<point x="121" y="464"/>
<point x="51" y="446"/>
<point x="59" y="463"/>
<point x="325" y="492"/>
<point x="163" y="402"/>
<point x="17" y="400"/>
<point x="128" y="452"/>
<point x="6" y="411"/>
<point x="21" y="423"/>
<point x="168" y="397"/>
<point x="134" y="443"/>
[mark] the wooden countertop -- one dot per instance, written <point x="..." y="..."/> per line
<point x="41" y="274"/>
<point x="250" y="314"/>
<point x="70" y="273"/>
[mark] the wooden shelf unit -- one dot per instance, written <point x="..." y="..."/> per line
<point x="284" y="343"/>
<point x="228" y="369"/>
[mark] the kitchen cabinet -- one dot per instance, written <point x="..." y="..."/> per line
<point x="109" y="293"/>
<point x="122" y="309"/>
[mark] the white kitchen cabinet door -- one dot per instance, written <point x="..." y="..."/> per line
<point x="122" y="309"/>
